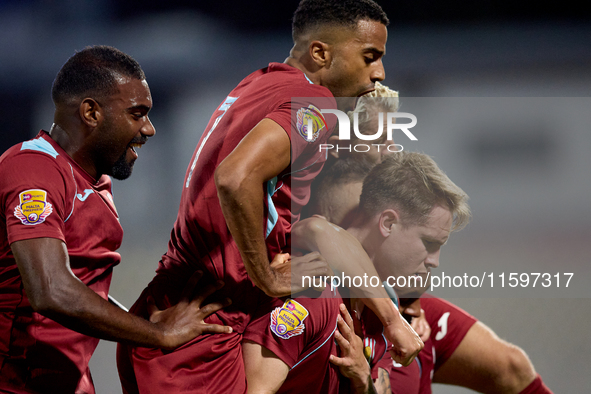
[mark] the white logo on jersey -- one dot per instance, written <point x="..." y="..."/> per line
<point x="442" y="323"/>
<point x="87" y="193"/>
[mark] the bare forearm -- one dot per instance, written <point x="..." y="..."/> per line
<point x="342" y="251"/>
<point x="244" y="220"/>
<point x="382" y="383"/>
<point x="261" y="155"/>
<point x="78" y="308"/>
<point x="365" y="387"/>
<point x="55" y="292"/>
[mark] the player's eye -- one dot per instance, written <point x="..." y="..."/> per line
<point x="430" y="245"/>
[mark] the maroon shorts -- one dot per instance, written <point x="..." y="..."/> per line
<point x="207" y="364"/>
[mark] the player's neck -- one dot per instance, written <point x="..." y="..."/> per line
<point x="74" y="145"/>
<point x="362" y="231"/>
<point x="296" y="62"/>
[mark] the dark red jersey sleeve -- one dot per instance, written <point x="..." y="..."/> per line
<point x="449" y="325"/>
<point x="34" y="197"/>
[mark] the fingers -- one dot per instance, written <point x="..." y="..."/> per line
<point x="343" y="344"/>
<point x="190" y="286"/>
<point x="215" y="329"/>
<point x="309" y="267"/>
<point x="206" y="292"/>
<point x="346" y="316"/>
<point x="338" y="361"/>
<point x="406" y="343"/>
<point x="213" y="308"/>
<point x="282" y="257"/>
<point x="308" y="258"/>
<point x="312" y="256"/>
<point x="316" y="270"/>
<point x="279" y="259"/>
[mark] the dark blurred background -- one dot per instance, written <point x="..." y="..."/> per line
<point x="529" y="179"/>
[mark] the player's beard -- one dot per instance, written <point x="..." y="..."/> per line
<point x="122" y="169"/>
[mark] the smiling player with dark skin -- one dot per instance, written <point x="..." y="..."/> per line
<point x="58" y="265"/>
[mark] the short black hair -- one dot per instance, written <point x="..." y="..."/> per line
<point x="92" y="71"/>
<point x="312" y="13"/>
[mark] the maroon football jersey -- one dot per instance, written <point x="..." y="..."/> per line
<point x="200" y="238"/>
<point x="44" y="193"/>
<point x="449" y="325"/>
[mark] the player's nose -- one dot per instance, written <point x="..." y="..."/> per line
<point x="148" y="128"/>
<point x="378" y="73"/>
<point x="432" y="260"/>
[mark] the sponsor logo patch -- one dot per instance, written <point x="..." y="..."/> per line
<point x="288" y="320"/>
<point x="33" y="207"/>
<point x="310" y="116"/>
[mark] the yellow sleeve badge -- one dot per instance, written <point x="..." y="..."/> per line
<point x="288" y="320"/>
<point x="33" y="207"/>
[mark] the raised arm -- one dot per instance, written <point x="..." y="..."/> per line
<point x="55" y="292"/>
<point x="344" y="252"/>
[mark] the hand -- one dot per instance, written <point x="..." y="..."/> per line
<point x="289" y="272"/>
<point x="184" y="321"/>
<point x="406" y="342"/>
<point x="421" y="326"/>
<point x="352" y="363"/>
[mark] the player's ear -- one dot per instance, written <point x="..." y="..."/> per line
<point x="333" y="140"/>
<point x="389" y="220"/>
<point x="320" y="53"/>
<point x="91" y="112"/>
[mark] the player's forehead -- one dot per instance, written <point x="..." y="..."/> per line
<point x="438" y="224"/>
<point x="131" y="92"/>
<point x="368" y="36"/>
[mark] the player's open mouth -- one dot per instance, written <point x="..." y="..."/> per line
<point x="133" y="146"/>
<point x="364" y="94"/>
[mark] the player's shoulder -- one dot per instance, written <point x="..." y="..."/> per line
<point x="290" y="81"/>
<point x="37" y="157"/>
<point x="40" y="144"/>
<point x="31" y="152"/>
<point x="437" y="309"/>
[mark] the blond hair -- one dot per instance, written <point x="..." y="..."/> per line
<point x="413" y="184"/>
<point x="382" y="99"/>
